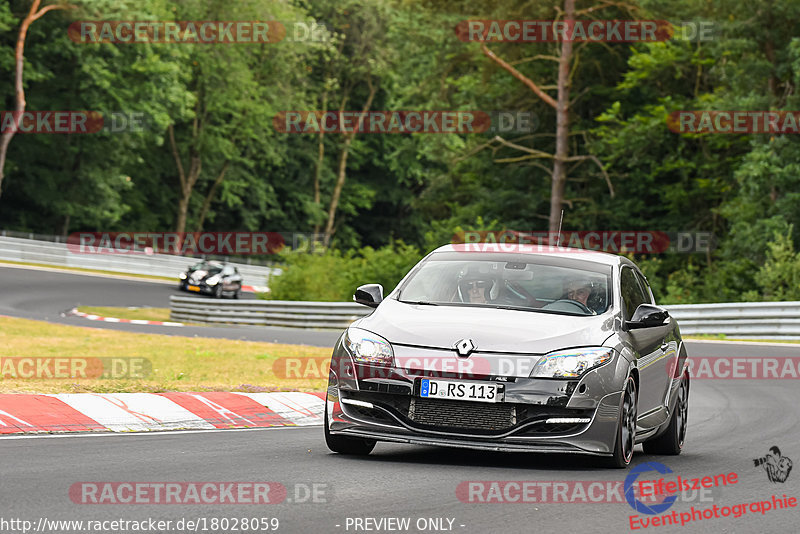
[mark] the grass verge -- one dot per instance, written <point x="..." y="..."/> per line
<point x="178" y="363"/>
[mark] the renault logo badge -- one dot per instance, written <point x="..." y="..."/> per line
<point x="464" y="347"/>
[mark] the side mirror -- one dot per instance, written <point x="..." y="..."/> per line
<point x="369" y="295"/>
<point x="646" y="316"/>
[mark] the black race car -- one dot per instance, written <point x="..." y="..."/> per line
<point x="212" y="278"/>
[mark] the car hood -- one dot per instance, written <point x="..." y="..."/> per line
<point x="201" y="274"/>
<point x="491" y="330"/>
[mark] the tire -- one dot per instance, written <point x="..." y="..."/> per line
<point x="626" y="428"/>
<point x="344" y="445"/>
<point x="671" y="442"/>
<point x="218" y="291"/>
<point x="238" y="293"/>
<point x="182" y="286"/>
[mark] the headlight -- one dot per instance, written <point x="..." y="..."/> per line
<point x="570" y="363"/>
<point x="182" y="276"/>
<point x="367" y="347"/>
<point x="212" y="280"/>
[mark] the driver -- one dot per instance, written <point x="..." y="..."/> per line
<point x="475" y="287"/>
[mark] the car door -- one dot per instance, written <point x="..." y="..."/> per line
<point x="236" y="279"/>
<point x="648" y="345"/>
<point x="227" y="278"/>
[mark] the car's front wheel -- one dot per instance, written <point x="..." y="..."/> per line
<point x="344" y="445"/>
<point x="626" y="427"/>
<point x="218" y="291"/>
<point x="671" y="441"/>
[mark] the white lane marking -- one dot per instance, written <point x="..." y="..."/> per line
<point x="300" y="408"/>
<point x="74" y="311"/>
<point x="125" y="412"/>
<point x="146" y="433"/>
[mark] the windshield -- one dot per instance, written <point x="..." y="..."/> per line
<point x="525" y="284"/>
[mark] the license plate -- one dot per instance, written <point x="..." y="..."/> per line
<point x="469" y="391"/>
<point x="194" y="288"/>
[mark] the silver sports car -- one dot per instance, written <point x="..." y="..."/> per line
<point x="512" y="348"/>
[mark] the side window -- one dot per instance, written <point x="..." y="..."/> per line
<point x="645" y="287"/>
<point x="632" y="294"/>
<point x="227" y="271"/>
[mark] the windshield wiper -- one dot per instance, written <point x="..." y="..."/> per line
<point x="421" y="302"/>
<point x="537" y="310"/>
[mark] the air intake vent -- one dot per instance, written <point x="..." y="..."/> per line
<point x="462" y="415"/>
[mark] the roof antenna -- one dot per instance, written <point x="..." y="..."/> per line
<point x="561" y="220"/>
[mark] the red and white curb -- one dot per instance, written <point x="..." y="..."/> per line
<point x="92" y="317"/>
<point x="256" y="289"/>
<point x="137" y="412"/>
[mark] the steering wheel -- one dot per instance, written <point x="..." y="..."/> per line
<point x="579" y="305"/>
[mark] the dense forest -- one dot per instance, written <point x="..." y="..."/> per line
<point x="208" y="155"/>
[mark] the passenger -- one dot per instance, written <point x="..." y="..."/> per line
<point x="579" y="291"/>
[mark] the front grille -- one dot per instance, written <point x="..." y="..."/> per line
<point x="462" y="415"/>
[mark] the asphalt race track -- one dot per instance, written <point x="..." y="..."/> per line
<point x="731" y="422"/>
<point x="46" y="295"/>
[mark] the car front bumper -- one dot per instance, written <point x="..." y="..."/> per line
<point x="385" y="405"/>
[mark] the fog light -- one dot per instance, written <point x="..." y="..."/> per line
<point x="567" y="420"/>
<point x="357" y="403"/>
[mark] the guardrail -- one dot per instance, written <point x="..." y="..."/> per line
<point x="772" y="320"/>
<point x="57" y="254"/>
<point x="323" y="315"/>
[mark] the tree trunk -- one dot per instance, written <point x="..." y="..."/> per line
<point x="65" y="226"/>
<point x="337" y="190"/>
<point x="562" y="124"/>
<point x="320" y="158"/>
<point x="210" y="196"/>
<point x="342" y="173"/>
<point x="19" y="90"/>
<point x="187" y="180"/>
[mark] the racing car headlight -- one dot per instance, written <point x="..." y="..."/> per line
<point x="212" y="280"/>
<point x="571" y="363"/>
<point x="182" y="276"/>
<point x="367" y="347"/>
